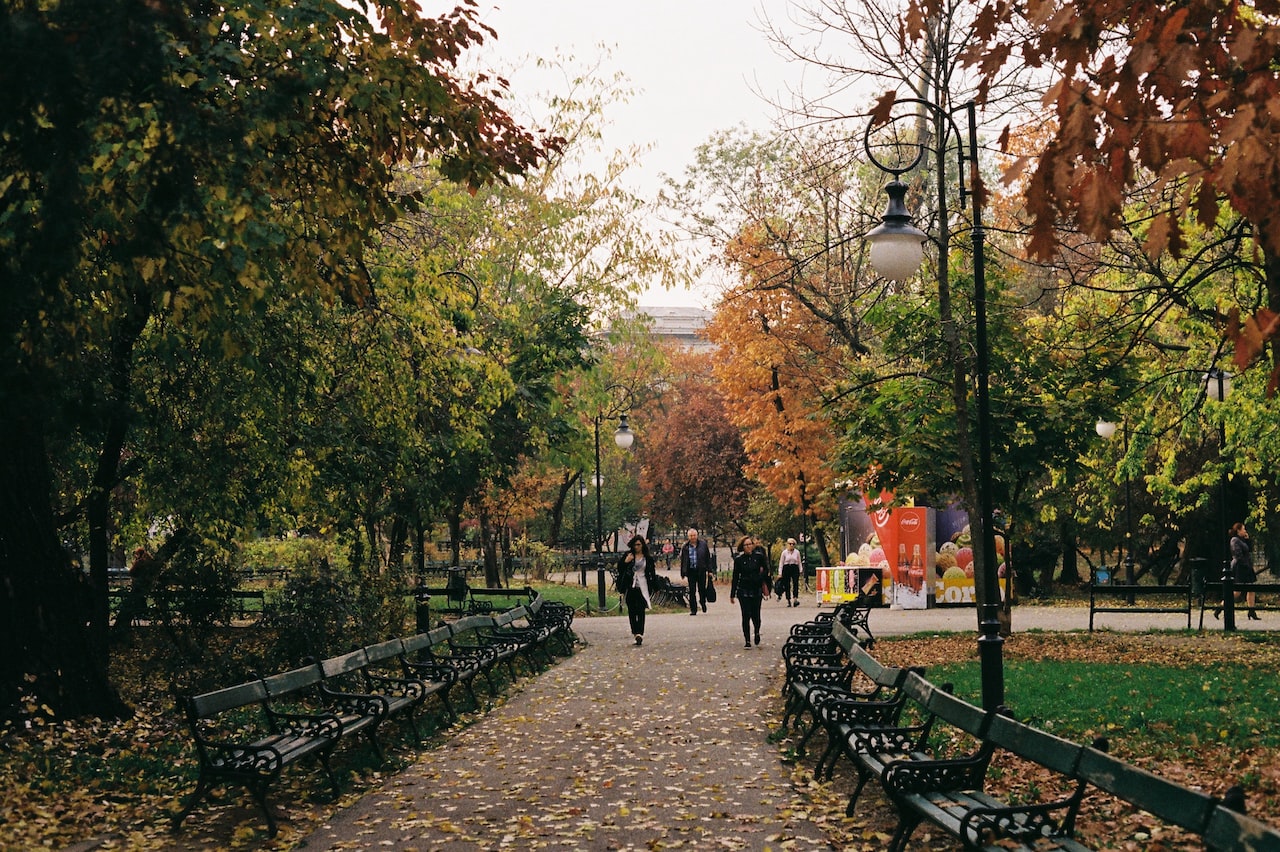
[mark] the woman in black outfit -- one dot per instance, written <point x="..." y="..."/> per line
<point x="751" y="576"/>
<point x="636" y="575"/>
<point x="1242" y="565"/>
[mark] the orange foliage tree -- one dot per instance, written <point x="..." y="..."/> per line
<point x="775" y="362"/>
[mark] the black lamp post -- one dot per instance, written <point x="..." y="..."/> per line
<point x="896" y="252"/>
<point x="1217" y="387"/>
<point x="1107" y="430"/>
<point x="582" y="528"/>
<point x="623" y="437"/>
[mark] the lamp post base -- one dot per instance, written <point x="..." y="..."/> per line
<point x="991" y="660"/>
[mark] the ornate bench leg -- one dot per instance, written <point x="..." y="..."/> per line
<point x="259" y="792"/>
<point x="197" y="796"/>
<point x="907" y="823"/>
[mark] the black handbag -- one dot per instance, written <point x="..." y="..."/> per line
<point x="710" y="594"/>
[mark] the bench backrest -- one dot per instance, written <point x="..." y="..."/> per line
<point x="294" y="680"/>
<point x="889" y="677"/>
<point x="383" y="651"/>
<point x="1062" y="756"/>
<point x="1229" y="831"/>
<point x="504" y="619"/>
<point x="352" y="661"/>
<point x="951" y="709"/>
<point x="1171" y="802"/>
<point x="417" y="642"/>
<point x="211" y="704"/>
<point x="471" y="622"/>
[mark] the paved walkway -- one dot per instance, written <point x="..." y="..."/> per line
<point x="624" y="747"/>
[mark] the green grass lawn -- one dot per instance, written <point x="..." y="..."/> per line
<point x="1168" y="707"/>
<point x="1160" y="695"/>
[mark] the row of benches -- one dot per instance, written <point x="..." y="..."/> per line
<point x="464" y="599"/>
<point x="248" y="733"/>
<point x="236" y="605"/>
<point x="1173" y="599"/>
<point x="891" y="732"/>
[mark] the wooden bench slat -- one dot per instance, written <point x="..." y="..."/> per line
<point x="1158" y="796"/>
<point x="1229" y="831"/>
<point x="1052" y="752"/>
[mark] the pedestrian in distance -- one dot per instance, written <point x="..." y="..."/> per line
<point x="751" y="583"/>
<point x="789" y="573"/>
<point x="636" y="574"/>
<point x="1242" y="569"/>
<point x="695" y="564"/>
<point x="1242" y="566"/>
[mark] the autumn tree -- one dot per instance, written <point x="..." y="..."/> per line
<point x="692" y="454"/>
<point x="776" y="362"/>
<point x="166" y="170"/>
<point x="1181" y="94"/>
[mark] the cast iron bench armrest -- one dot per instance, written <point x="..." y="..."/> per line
<point x="982" y="826"/>
<point x="303" y="724"/>
<point x="263" y="759"/>
<point x="404" y="687"/>
<point x="855" y="711"/>
<point x="827" y="675"/>
<point x="890" y="740"/>
<point x="903" y="778"/>
<point x="432" y="670"/>
<point x="821" y="692"/>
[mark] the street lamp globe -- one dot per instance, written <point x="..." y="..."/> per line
<point x="1105" y="429"/>
<point x="1217" y="384"/>
<point x="897" y="246"/>
<point x="623" y="436"/>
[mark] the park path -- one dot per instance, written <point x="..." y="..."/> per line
<point x="618" y="747"/>
<point x="624" y="747"/>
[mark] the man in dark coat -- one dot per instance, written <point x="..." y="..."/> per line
<point x="695" y="564"/>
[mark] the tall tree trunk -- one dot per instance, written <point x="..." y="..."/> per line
<point x="488" y="545"/>
<point x="455" y="536"/>
<point x="821" y="535"/>
<point x="399" y="543"/>
<point x="46" y="601"/>
<point x="564" y="495"/>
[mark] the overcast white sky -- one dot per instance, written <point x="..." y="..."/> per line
<point x="694" y="64"/>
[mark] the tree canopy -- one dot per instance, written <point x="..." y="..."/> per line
<point x="172" y="172"/>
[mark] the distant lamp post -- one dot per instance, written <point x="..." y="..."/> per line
<point x="1217" y="387"/>
<point x="1107" y="430"/>
<point x="896" y="252"/>
<point x="624" y="438"/>
<point x="582" y="528"/>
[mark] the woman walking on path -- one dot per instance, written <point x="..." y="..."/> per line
<point x="636" y="573"/>
<point x="1242" y="565"/>
<point x="751" y="581"/>
<point x="789" y="571"/>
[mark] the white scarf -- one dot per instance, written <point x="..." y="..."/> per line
<point x="639" y="580"/>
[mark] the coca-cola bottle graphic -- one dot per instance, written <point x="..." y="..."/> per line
<point x="915" y="572"/>
<point x="903" y="568"/>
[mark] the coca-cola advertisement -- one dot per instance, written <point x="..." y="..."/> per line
<point x="913" y="566"/>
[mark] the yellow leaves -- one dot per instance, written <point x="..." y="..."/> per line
<point x="149" y="269"/>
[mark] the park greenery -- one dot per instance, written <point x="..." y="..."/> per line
<point x="286" y="289"/>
